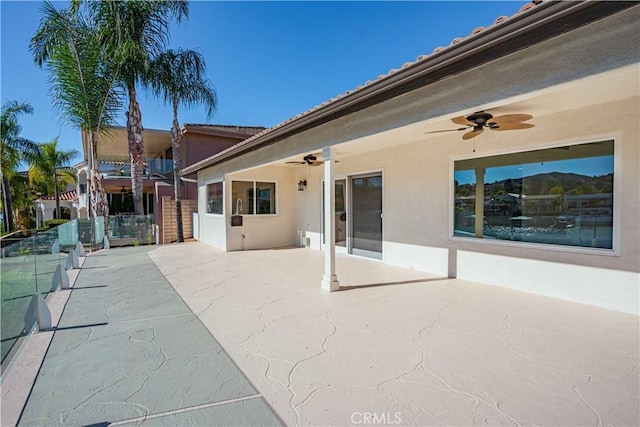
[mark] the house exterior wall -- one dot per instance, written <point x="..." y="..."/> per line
<point x="257" y="231"/>
<point x="418" y="198"/>
<point x="196" y="147"/>
<point x="418" y="170"/>
<point x="213" y="230"/>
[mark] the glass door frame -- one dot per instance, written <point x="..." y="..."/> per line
<point x="347" y="192"/>
<point x="348" y="178"/>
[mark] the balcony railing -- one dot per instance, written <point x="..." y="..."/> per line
<point x="153" y="169"/>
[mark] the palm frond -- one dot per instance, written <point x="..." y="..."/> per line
<point x="81" y="74"/>
<point x="178" y="76"/>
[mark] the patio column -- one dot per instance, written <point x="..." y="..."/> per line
<point x="329" y="279"/>
<point x="479" y="225"/>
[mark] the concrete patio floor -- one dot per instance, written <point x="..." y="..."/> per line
<point x="128" y="351"/>
<point x="398" y="346"/>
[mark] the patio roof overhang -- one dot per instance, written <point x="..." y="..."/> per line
<point x="486" y="48"/>
<point x="114" y="145"/>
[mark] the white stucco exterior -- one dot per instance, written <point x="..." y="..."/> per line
<point x="417" y="168"/>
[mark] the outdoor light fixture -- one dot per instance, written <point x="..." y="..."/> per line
<point x="301" y="185"/>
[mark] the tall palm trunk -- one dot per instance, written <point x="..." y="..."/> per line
<point x="57" y="194"/>
<point x="175" y="145"/>
<point x="136" y="150"/>
<point x="7" y="217"/>
<point x="97" y="196"/>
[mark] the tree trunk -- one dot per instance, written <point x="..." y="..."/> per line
<point x="175" y="145"/>
<point x="57" y="195"/>
<point x="97" y="196"/>
<point x="7" y="217"/>
<point x="136" y="154"/>
<point x="136" y="150"/>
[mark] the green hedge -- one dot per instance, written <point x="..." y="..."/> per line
<point x="50" y="223"/>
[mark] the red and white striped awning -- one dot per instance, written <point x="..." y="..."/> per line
<point x="66" y="196"/>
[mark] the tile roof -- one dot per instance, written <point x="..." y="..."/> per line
<point x="233" y="128"/>
<point x="498" y="21"/>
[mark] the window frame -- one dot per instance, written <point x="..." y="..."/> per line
<point x="206" y="197"/>
<point x="617" y="208"/>
<point x="255" y="198"/>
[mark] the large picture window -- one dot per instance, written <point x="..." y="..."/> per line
<point x="253" y="198"/>
<point x="559" y="196"/>
<point x="214" y="198"/>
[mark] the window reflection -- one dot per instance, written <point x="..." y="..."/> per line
<point x="561" y="196"/>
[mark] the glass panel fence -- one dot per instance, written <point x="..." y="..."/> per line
<point x="33" y="264"/>
<point x="137" y="229"/>
<point x="159" y="168"/>
<point x="29" y="266"/>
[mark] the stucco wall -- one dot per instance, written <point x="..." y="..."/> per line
<point x="418" y="204"/>
<point x="196" y="147"/>
<point x="418" y="170"/>
<point x="417" y="199"/>
<point x="213" y="229"/>
<point x="257" y="231"/>
<point x="265" y="231"/>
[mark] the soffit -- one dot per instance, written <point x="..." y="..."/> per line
<point x="114" y="145"/>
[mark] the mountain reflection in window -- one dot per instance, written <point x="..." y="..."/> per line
<point x="558" y="196"/>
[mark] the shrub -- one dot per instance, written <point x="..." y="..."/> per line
<point x="50" y="223"/>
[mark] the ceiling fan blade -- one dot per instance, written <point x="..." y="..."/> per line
<point x="447" y="130"/>
<point x="296" y="163"/>
<point x="472" y="134"/>
<point x="462" y="120"/>
<point x="511" y="118"/>
<point x="321" y="162"/>
<point x="513" y="126"/>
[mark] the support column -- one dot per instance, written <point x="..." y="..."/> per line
<point x="329" y="279"/>
<point x="479" y="224"/>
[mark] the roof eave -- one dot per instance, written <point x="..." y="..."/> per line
<point x="517" y="25"/>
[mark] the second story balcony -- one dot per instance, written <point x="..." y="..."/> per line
<point x="154" y="168"/>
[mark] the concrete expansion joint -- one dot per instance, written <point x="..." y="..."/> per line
<point x="183" y="410"/>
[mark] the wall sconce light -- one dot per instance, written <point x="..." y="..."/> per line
<point x="301" y="185"/>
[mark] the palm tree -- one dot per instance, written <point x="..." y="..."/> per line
<point x="178" y="77"/>
<point x="48" y="169"/>
<point x="82" y="80"/>
<point x="13" y="150"/>
<point x="136" y="31"/>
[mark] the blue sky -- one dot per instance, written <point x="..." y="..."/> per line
<point x="268" y="60"/>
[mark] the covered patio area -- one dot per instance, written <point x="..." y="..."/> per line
<point x="398" y="346"/>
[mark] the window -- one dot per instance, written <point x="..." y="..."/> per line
<point x="253" y="198"/>
<point x="559" y="196"/>
<point x="214" y="198"/>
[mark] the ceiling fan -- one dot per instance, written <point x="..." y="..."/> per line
<point x="477" y="122"/>
<point x="309" y="159"/>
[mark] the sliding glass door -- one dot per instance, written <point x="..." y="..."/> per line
<point x="366" y="215"/>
